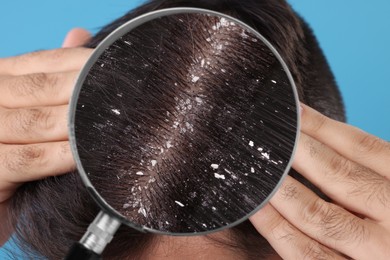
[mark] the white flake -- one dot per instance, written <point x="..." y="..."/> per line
<point x="195" y="79"/>
<point x="169" y="145"/>
<point x="142" y="211"/>
<point x="179" y="203"/>
<point x="116" y="111"/>
<point x="266" y="155"/>
<point x="198" y="100"/>
<point x="215" y="166"/>
<point x="219" y="176"/>
<point x="224" y="22"/>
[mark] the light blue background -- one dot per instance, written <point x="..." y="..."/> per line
<point x="355" y="35"/>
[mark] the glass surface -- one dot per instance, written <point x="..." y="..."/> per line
<point x="185" y="124"/>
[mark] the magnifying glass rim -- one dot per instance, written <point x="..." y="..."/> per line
<point x="99" y="50"/>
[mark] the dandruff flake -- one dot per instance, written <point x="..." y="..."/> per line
<point x="219" y="176"/>
<point x="179" y="203"/>
<point x="198" y="100"/>
<point x="195" y="79"/>
<point x="142" y="211"/>
<point x="266" y="155"/>
<point x="215" y="166"/>
<point x="169" y="144"/>
<point x="116" y="111"/>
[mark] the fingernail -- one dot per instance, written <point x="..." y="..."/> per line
<point x="300" y="109"/>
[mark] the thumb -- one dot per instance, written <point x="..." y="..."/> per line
<point x="76" y="37"/>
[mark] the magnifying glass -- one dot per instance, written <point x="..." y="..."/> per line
<point x="184" y="121"/>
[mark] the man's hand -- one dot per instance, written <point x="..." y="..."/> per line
<point x="35" y="91"/>
<point x="353" y="169"/>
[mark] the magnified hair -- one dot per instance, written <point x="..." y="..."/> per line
<point x="186" y="124"/>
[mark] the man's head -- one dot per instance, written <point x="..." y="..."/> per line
<point x="65" y="215"/>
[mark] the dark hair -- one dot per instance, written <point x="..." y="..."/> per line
<point x="52" y="213"/>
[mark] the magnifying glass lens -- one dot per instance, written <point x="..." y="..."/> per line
<point x="184" y="122"/>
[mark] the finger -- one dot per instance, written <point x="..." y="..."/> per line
<point x="33" y="125"/>
<point x="76" y="37"/>
<point x="50" y="61"/>
<point x="40" y="89"/>
<point x="23" y="163"/>
<point x="329" y="224"/>
<point x="349" y="141"/>
<point x="353" y="186"/>
<point x="287" y="240"/>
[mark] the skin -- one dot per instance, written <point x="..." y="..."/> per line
<point x="347" y="164"/>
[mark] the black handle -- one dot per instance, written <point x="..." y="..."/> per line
<point x="80" y="252"/>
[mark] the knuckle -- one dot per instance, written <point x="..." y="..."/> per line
<point x="21" y="86"/>
<point x="338" y="166"/>
<point x="333" y="223"/>
<point x="283" y="230"/>
<point x="43" y="81"/>
<point x="28" y="121"/>
<point x="289" y="191"/>
<point x="52" y="80"/>
<point x="369" y="143"/>
<point x="314" y="250"/>
<point x="43" y="119"/>
<point x="315" y="211"/>
<point x="36" y="81"/>
<point x="31" y="153"/>
<point x="21" y="159"/>
<point x="32" y="84"/>
<point x="319" y="122"/>
<point x="341" y="228"/>
<point x="312" y="147"/>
